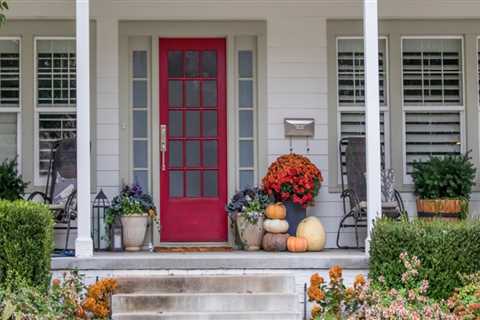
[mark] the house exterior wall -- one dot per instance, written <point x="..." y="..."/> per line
<point x="296" y="69"/>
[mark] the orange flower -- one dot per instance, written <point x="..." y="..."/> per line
<point x="316" y="280"/>
<point x="315" y="293"/>
<point x="335" y="273"/>
<point x="316" y="311"/>
<point x="56" y="282"/>
<point x="97" y="300"/>
<point x="359" y="280"/>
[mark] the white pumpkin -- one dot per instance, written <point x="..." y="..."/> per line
<point x="312" y="229"/>
<point x="275" y="226"/>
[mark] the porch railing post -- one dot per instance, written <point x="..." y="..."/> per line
<point x="84" y="243"/>
<point x="372" y="114"/>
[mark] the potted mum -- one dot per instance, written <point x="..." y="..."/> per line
<point x="443" y="186"/>
<point x="246" y="209"/>
<point x="294" y="180"/>
<point x="133" y="208"/>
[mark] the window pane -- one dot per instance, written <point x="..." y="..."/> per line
<point x="175" y="93"/>
<point x="141" y="177"/>
<point x="209" y="63"/>
<point x="8" y="136"/>
<point x="209" y="94"/>
<point x="210" y="153"/>
<point x="9" y="73"/>
<point x="139" y="94"/>
<point x="175" y="123"/>
<point x="192" y="153"/>
<point x="209" y="123"/>
<point x="140" y="154"/>
<point x="139" y="64"/>
<point x="246" y="153"/>
<point x="175" y="151"/>
<point x="175" y="64"/>
<point x="191" y="63"/>
<point x="246" y="179"/>
<point x="246" y="123"/>
<point x="192" y="88"/>
<point x="193" y="183"/>
<point x="245" y="64"/>
<point x="140" y="125"/>
<point x="246" y="94"/>
<point x="175" y="184"/>
<point x="192" y="123"/>
<point x="210" y="183"/>
<point x="56" y="72"/>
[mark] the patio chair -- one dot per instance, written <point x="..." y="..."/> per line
<point x="60" y="190"/>
<point x="354" y="189"/>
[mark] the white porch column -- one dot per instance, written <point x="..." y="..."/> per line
<point x="372" y="114"/>
<point x="84" y="243"/>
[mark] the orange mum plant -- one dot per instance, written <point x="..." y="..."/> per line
<point x="97" y="301"/>
<point x="293" y="177"/>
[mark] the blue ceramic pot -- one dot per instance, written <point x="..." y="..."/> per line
<point x="295" y="214"/>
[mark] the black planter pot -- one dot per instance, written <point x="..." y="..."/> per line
<point x="295" y="214"/>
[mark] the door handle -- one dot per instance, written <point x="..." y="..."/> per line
<point x="163" y="145"/>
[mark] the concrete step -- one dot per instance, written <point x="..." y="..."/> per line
<point x="209" y="316"/>
<point x="207" y="284"/>
<point x="204" y="302"/>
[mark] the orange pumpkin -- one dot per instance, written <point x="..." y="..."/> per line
<point x="297" y="244"/>
<point x="276" y="211"/>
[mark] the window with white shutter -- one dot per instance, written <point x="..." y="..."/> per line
<point x="55" y="97"/>
<point x="432" y="73"/>
<point x="9" y="98"/>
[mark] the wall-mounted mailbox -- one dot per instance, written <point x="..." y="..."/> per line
<point x="299" y="127"/>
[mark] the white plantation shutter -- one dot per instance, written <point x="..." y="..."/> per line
<point x="9" y="73"/>
<point x="431" y="134"/>
<point x="351" y="72"/>
<point x="432" y="72"/>
<point x="8" y="136"/>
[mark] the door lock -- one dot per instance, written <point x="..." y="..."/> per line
<point x="163" y="145"/>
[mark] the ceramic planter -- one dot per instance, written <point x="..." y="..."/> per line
<point x="446" y="209"/>
<point x="295" y="214"/>
<point x="251" y="235"/>
<point x="134" y="229"/>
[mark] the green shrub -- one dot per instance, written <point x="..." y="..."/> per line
<point x="26" y="242"/>
<point x="444" y="177"/>
<point x="12" y="186"/>
<point x="447" y="250"/>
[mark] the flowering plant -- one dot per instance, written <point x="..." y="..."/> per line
<point x="250" y="203"/>
<point x="293" y="177"/>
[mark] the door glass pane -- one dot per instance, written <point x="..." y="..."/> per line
<point x="192" y="153"/>
<point x="246" y="178"/>
<point x="140" y="154"/>
<point x="175" y="93"/>
<point x="210" y="152"/>
<point x="210" y="183"/>
<point x="140" y="124"/>
<point x="193" y="183"/>
<point x="191" y="63"/>
<point x="175" y="149"/>
<point x="246" y="153"/>
<point x="209" y="64"/>
<point x="209" y="123"/>
<point x="246" y="94"/>
<point x="192" y="88"/>
<point x="176" y="184"/>
<point x="192" y="123"/>
<point x="175" y="124"/>
<point x="139" y="93"/>
<point x="245" y="63"/>
<point x="246" y="124"/>
<point x="175" y="64"/>
<point x="209" y="93"/>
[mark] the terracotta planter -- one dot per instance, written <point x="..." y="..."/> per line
<point x="134" y="229"/>
<point x="295" y="214"/>
<point x="447" y="209"/>
<point x="250" y="234"/>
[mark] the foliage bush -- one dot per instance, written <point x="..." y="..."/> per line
<point x="12" y="186"/>
<point x="447" y="250"/>
<point x="444" y="177"/>
<point x="26" y="242"/>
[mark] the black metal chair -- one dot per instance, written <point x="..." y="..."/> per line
<point x="60" y="190"/>
<point x="354" y="189"/>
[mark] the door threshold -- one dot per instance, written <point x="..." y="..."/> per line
<point x="193" y="244"/>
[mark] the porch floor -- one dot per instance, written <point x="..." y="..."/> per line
<point x="348" y="259"/>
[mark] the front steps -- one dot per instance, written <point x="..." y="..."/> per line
<point x="248" y="297"/>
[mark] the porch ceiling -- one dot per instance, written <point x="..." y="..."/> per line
<point x="348" y="259"/>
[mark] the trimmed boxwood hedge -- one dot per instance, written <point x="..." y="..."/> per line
<point x="26" y="242"/>
<point x="446" y="250"/>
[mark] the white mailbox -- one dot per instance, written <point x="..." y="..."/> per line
<point x="299" y="127"/>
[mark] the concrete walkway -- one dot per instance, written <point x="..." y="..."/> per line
<point x="348" y="259"/>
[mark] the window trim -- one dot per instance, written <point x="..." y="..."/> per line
<point x="38" y="180"/>
<point x="407" y="179"/>
<point x="17" y="110"/>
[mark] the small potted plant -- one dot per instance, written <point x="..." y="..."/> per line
<point x="133" y="208"/>
<point x="294" y="180"/>
<point x="443" y="186"/>
<point x="246" y="209"/>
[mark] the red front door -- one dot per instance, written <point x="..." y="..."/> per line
<point x="193" y="179"/>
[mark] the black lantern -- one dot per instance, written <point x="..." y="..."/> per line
<point x="116" y="235"/>
<point x="99" y="208"/>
